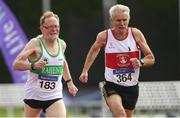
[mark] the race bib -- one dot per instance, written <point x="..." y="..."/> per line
<point x="123" y="75"/>
<point x="47" y="83"/>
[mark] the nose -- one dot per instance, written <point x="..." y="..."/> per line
<point x="121" y="22"/>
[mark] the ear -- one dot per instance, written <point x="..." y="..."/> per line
<point x="41" y="27"/>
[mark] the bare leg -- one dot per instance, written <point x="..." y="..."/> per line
<point x="57" y="109"/>
<point x="115" y="105"/>
<point x="129" y="113"/>
<point x="31" y="112"/>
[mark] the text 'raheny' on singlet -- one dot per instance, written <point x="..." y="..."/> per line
<point x="45" y="84"/>
<point x="118" y="68"/>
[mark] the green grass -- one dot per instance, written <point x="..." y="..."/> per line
<point x="11" y="112"/>
<point x="76" y="112"/>
<point x="18" y="112"/>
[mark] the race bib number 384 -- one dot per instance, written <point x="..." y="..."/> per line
<point x="123" y="75"/>
<point x="47" y="82"/>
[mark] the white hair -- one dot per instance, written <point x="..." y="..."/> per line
<point x="117" y="8"/>
<point x="48" y="14"/>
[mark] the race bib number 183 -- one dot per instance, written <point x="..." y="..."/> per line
<point x="47" y="82"/>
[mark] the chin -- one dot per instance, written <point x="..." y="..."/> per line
<point x="121" y="29"/>
<point x="54" y="37"/>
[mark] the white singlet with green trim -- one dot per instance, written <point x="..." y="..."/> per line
<point x="46" y="84"/>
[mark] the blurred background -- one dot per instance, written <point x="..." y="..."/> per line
<point x="81" y="21"/>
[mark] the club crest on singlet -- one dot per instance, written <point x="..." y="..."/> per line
<point x="123" y="60"/>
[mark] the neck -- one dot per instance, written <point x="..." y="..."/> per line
<point x="50" y="42"/>
<point x="120" y="34"/>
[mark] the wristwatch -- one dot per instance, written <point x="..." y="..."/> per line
<point x="141" y="61"/>
<point x="32" y="66"/>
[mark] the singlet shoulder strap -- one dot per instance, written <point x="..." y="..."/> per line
<point x="60" y="41"/>
<point x="106" y="37"/>
<point x="132" y="32"/>
<point x="41" y="47"/>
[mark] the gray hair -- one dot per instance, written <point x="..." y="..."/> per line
<point x="48" y="14"/>
<point x="118" y="7"/>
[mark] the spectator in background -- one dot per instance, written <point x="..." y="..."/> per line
<point x="44" y="57"/>
<point x="123" y="46"/>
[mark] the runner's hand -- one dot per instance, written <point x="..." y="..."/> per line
<point x="72" y="88"/>
<point x="84" y="77"/>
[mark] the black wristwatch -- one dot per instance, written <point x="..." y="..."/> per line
<point x="32" y="66"/>
<point x="141" y="61"/>
<point x="67" y="81"/>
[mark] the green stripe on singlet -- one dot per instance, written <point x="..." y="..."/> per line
<point x="50" y="70"/>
